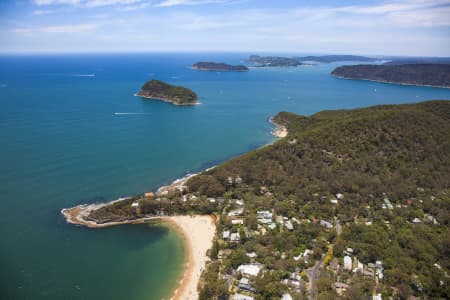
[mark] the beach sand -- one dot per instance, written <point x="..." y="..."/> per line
<point x="198" y="233"/>
<point x="280" y="132"/>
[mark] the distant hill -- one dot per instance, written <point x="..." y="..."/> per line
<point x="273" y="61"/>
<point x="418" y="60"/>
<point x="159" y="90"/>
<point x="436" y="75"/>
<point x="335" y="58"/>
<point x="213" y="66"/>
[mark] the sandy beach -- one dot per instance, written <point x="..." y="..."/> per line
<point x="280" y="130"/>
<point x="198" y="233"/>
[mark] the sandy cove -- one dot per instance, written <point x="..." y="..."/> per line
<point x="280" y="130"/>
<point x="198" y="233"/>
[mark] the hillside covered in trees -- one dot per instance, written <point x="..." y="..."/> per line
<point x="436" y="75"/>
<point x="178" y="95"/>
<point x="391" y="162"/>
<point x="352" y="203"/>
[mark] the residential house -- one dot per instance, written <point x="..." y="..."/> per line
<point x="235" y="238"/>
<point x="347" y="263"/>
<point x="326" y="224"/>
<point x="250" y="269"/>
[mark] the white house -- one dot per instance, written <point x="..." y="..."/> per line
<point x="237" y="222"/>
<point x="326" y="224"/>
<point x="250" y="269"/>
<point x="235" y="238"/>
<point x="347" y="263"/>
<point x="226" y="235"/>
<point x="264" y="214"/>
<point x="289" y="225"/>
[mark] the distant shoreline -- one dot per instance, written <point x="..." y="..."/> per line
<point x="216" y="70"/>
<point x="391" y="82"/>
<point x="167" y="100"/>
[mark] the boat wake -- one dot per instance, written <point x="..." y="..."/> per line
<point x="84" y="75"/>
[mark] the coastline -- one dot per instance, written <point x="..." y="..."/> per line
<point x="280" y="131"/>
<point x="167" y="100"/>
<point x="391" y="82"/>
<point x="197" y="233"/>
<point x="216" y="70"/>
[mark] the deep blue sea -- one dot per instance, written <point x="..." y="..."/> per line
<point x="63" y="143"/>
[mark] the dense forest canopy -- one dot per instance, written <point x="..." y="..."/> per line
<point x="437" y="75"/>
<point x="160" y="90"/>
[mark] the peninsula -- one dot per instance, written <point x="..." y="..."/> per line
<point x="434" y="75"/>
<point x="349" y="204"/>
<point x="278" y="61"/>
<point x="335" y="58"/>
<point x="213" y="66"/>
<point x="159" y="90"/>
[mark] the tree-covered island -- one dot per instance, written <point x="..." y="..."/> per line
<point x="213" y="66"/>
<point x="351" y="204"/>
<point x="159" y="90"/>
<point x="273" y="61"/>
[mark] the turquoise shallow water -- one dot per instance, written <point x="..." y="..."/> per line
<point x="62" y="144"/>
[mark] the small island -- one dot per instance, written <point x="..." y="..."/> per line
<point x="159" y="90"/>
<point x="213" y="66"/>
<point x="273" y="61"/>
<point x="433" y="75"/>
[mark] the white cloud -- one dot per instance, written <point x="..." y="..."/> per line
<point x="168" y="3"/>
<point x="87" y="3"/>
<point x="56" y="2"/>
<point x="40" y="12"/>
<point x="98" y="3"/>
<point x="73" y="28"/>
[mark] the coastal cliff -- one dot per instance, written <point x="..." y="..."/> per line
<point x="159" y="90"/>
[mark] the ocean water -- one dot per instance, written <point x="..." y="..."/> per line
<point x="72" y="132"/>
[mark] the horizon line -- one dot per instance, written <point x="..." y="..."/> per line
<point x="279" y="52"/>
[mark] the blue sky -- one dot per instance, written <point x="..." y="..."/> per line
<point x="403" y="27"/>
